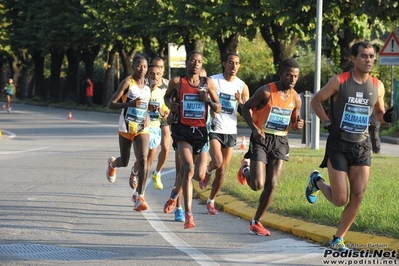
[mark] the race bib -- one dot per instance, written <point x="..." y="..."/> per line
<point x="154" y="115"/>
<point x="279" y="119"/>
<point x="193" y="107"/>
<point x="228" y="103"/>
<point x="355" y="118"/>
<point x="135" y="117"/>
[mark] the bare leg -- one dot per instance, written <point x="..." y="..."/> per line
<point x="141" y="143"/>
<point x="220" y="172"/>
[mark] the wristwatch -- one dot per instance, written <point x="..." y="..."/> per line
<point x="327" y="124"/>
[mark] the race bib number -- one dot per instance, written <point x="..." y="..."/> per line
<point x="279" y="119"/>
<point x="355" y="118"/>
<point x="135" y="117"/>
<point x="193" y="107"/>
<point x="154" y="115"/>
<point x="228" y="103"/>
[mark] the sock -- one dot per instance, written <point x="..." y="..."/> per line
<point x="245" y="168"/>
<point x="173" y="195"/>
<point x="141" y="195"/>
<point x="209" y="173"/>
<point x="178" y="208"/>
<point x="253" y="221"/>
<point x="317" y="179"/>
<point x="134" y="172"/>
<point x="155" y="172"/>
<point x="210" y="200"/>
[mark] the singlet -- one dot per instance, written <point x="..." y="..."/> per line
<point x="353" y="107"/>
<point x="158" y="100"/>
<point x="10" y="89"/>
<point x="134" y="119"/>
<point x="226" y="120"/>
<point x="275" y="117"/>
<point x="192" y="111"/>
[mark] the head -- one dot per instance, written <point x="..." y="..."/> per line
<point x="140" y="66"/>
<point x="231" y="64"/>
<point x="194" y="62"/>
<point x="158" y="61"/>
<point x="363" y="56"/>
<point x="10" y="81"/>
<point x="154" y="73"/>
<point x="289" y="73"/>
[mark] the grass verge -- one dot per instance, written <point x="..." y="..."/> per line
<point x="379" y="212"/>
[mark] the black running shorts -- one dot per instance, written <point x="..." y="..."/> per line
<point x="343" y="154"/>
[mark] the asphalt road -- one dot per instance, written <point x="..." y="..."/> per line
<point x="56" y="206"/>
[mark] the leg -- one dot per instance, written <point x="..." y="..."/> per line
<point x="220" y="172"/>
<point x="273" y="172"/>
<point x="358" y="179"/>
<point x="141" y="144"/>
<point x="165" y="146"/>
<point x="256" y="175"/>
<point x="215" y="151"/>
<point x="125" y="146"/>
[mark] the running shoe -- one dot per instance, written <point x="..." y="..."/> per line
<point x="111" y="172"/>
<point x="169" y="206"/>
<point x="204" y="183"/>
<point x="258" y="229"/>
<point x="156" y="178"/>
<point x="311" y="190"/>
<point x="189" y="223"/>
<point x="134" y="197"/>
<point x="211" y="208"/>
<point x="179" y="215"/>
<point x="133" y="180"/>
<point x="241" y="178"/>
<point x="141" y="205"/>
<point x="338" y="244"/>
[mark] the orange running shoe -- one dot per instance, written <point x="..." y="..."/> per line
<point x="111" y="172"/>
<point x="169" y="206"/>
<point x="141" y="205"/>
<point x="204" y="183"/>
<point x="211" y="208"/>
<point x="189" y="223"/>
<point x="241" y="178"/>
<point x="258" y="229"/>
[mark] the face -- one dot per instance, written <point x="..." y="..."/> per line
<point x="364" y="61"/>
<point x="194" y="64"/>
<point x="160" y="63"/>
<point x="140" y="68"/>
<point x="289" y="77"/>
<point x="232" y="65"/>
<point x="154" y="73"/>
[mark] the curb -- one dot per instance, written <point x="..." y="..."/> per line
<point x="318" y="233"/>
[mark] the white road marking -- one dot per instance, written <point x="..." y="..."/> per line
<point x="29" y="150"/>
<point x="169" y="236"/>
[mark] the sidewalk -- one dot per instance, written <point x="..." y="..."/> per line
<point x="318" y="233"/>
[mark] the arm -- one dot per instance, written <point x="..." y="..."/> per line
<point x="114" y="103"/>
<point x="330" y="89"/>
<point x="296" y="121"/>
<point x="213" y="103"/>
<point x="261" y="96"/>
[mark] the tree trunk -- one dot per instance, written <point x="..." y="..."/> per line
<point x="72" y="91"/>
<point x="54" y="92"/>
<point x="109" y="78"/>
<point x="88" y="56"/>
<point x="227" y="45"/>
<point x="193" y="45"/>
<point x="38" y="87"/>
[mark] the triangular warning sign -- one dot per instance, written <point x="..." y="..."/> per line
<point x="391" y="46"/>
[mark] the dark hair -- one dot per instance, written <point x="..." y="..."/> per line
<point x="355" y="47"/>
<point x="289" y="63"/>
<point x="137" y="58"/>
<point x="190" y="54"/>
<point x="152" y="65"/>
<point x="157" y="58"/>
<point x="226" y="57"/>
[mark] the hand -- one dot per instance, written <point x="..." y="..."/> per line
<point x="238" y="97"/>
<point x="258" y="134"/>
<point x="334" y="131"/>
<point x="390" y="115"/>
<point x="174" y="106"/>
<point x="299" y="123"/>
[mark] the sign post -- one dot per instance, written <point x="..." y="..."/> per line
<point x="176" y="57"/>
<point x="389" y="55"/>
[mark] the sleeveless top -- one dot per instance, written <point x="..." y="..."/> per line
<point x="192" y="111"/>
<point x="134" y="119"/>
<point x="226" y="120"/>
<point x="157" y="100"/>
<point x="353" y="107"/>
<point x="275" y="117"/>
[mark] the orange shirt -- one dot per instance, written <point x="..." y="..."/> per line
<point x="275" y="117"/>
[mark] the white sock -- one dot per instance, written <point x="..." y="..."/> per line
<point x="110" y="165"/>
<point x="155" y="172"/>
<point x="179" y="208"/>
<point x="209" y="173"/>
<point x="134" y="172"/>
<point x="210" y="200"/>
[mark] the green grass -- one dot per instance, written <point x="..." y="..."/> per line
<point x="379" y="212"/>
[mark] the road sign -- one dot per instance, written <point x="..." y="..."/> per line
<point x="177" y="56"/>
<point x="389" y="54"/>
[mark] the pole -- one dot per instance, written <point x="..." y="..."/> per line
<point x="315" y="119"/>
<point x="392" y="85"/>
